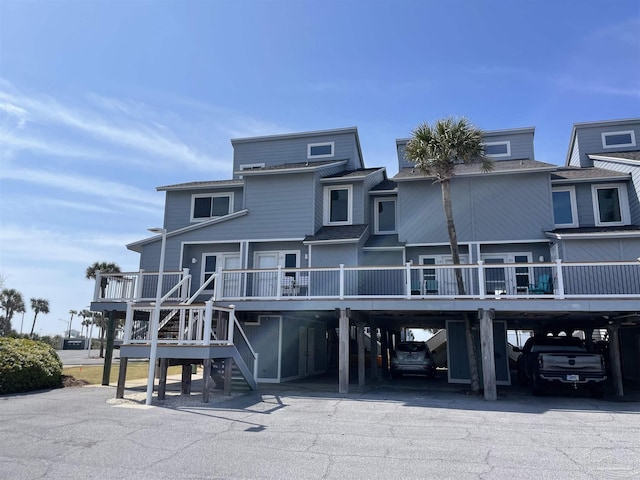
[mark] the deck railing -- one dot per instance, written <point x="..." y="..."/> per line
<point x="140" y="286"/>
<point x="555" y="280"/>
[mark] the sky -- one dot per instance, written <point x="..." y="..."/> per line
<point x="101" y="102"/>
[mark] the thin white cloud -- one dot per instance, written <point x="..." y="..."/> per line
<point x="19" y="115"/>
<point x="135" y="198"/>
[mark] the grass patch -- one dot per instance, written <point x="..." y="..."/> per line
<point x="92" y="374"/>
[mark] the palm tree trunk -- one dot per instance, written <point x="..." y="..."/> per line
<point x="455" y="254"/>
<point x="33" y="326"/>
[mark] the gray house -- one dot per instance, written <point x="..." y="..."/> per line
<point x="306" y="256"/>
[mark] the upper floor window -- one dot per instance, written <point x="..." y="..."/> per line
<point x="210" y="205"/>
<point x="610" y="204"/>
<point x="565" y="211"/>
<point x="385" y="216"/>
<point x="320" y="150"/>
<point x="618" y="139"/>
<point x="338" y="205"/>
<point x="497" y="149"/>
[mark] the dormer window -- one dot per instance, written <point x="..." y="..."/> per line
<point x="320" y="150"/>
<point x="205" y="206"/>
<point x="618" y="139"/>
<point x="338" y="205"/>
<point x="497" y="149"/>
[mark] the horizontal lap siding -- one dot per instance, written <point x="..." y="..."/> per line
<point x="633" y="187"/>
<point x="590" y="140"/>
<point x="613" y="249"/>
<point x="177" y="213"/>
<point x="276" y="151"/>
<point x="521" y="145"/>
<point x="265" y="340"/>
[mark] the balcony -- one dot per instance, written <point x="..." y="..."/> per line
<point x="556" y="280"/>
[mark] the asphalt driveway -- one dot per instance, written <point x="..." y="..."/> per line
<point x="301" y="431"/>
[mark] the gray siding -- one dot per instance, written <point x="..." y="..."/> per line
<point x="332" y="255"/>
<point x="633" y="187"/>
<point x="177" y="210"/>
<point x="265" y="340"/>
<point x="612" y="249"/>
<point x="318" y="193"/>
<point x="367" y="202"/>
<point x="574" y="159"/>
<point x="487" y="208"/>
<point x="278" y="151"/>
<point x="590" y="140"/>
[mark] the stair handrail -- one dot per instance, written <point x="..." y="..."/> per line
<point x="185" y="279"/>
<point x="201" y="289"/>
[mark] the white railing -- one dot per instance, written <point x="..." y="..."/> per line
<point x="556" y="280"/>
<point x="141" y="286"/>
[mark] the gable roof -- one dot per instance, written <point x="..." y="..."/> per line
<point x="503" y="167"/>
<point x="359" y="174"/>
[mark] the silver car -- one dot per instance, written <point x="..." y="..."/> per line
<point x="412" y="358"/>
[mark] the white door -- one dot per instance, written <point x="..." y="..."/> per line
<point x="265" y="283"/>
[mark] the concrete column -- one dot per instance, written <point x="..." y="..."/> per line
<point x="361" y="360"/>
<point x="614" y="357"/>
<point x="488" y="355"/>
<point x="343" y="352"/>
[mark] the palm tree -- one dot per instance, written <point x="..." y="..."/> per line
<point x="11" y="302"/>
<point x="436" y="150"/>
<point x="72" y="312"/>
<point x="38" y="305"/>
<point x="102" y="267"/>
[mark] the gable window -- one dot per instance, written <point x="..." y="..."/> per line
<point x="210" y="205"/>
<point x="610" y="204"/>
<point x="320" y="150"/>
<point x="385" y="216"/>
<point x="497" y="149"/>
<point x="618" y="139"/>
<point x="565" y="211"/>
<point x="337" y="205"/>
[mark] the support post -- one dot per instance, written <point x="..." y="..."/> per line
<point x="162" y="384"/>
<point x="373" y="360"/>
<point x="384" y="335"/>
<point x="361" y="358"/>
<point x="343" y="352"/>
<point x="228" y="368"/>
<point x="614" y="357"/>
<point x="206" y="375"/>
<point x="482" y="287"/>
<point x="108" y="356"/>
<point x="122" y="377"/>
<point x="488" y="358"/>
<point x="186" y="379"/>
<point x="559" y="283"/>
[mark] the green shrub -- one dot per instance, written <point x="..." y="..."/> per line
<point x="27" y="365"/>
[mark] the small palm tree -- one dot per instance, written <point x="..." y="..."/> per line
<point x="102" y="267"/>
<point x="72" y="312"/>
<point x="436" y="150"/>
<point x="38" y="305"/>
<point x="11" y="302"/>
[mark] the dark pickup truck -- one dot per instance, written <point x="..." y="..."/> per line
<point x="560" y="360"/>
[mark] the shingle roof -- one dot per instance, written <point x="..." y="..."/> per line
<point x="203" y="184"/>
<point x="614" y="155"/>
<point x="342" y="232"/>
<point x="501" y="166"/>
<point x="291" y="166"/>
<point x="588" y="173"/>
<point x="385" y="185"/>
<point x="624" y="229"/>
<point x="361" y="172"/>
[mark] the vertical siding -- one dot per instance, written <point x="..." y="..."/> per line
<point x="612" y="249"/>
<point x="334" y="254"/>
<point x="381" y="258"/>
<point x="521" y="144"/>
<point x="265" y="339"/>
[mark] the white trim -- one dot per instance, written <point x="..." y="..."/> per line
<point x="612" y="159"/>
<point x="631" y="133"/>
<point x="327" y="204"/>
<point x="249" y="166"/>
<point x="498" y="155"/>
<point x="340" y="240"/>
<point x="321" y="144"/>
<point x="220" y="259"/>
<point x="488" y="242"/>
<point x="623" y="198"/>
<point x="376" y="219"/>
<point x="574" y="207"/>
<point x="211" y="195"/>
<point x="310" y="167"/>
<point x="383" y="249"/>
<point x="594" y="235"/>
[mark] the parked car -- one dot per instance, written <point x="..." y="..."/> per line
<point x="412" y="358"/>
<point x="561" y="361"/>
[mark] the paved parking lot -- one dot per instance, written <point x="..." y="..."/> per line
<point x="305" y="430"/>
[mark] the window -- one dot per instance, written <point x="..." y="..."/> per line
<point x="497" y="149"/>
<point x="385" y="219"/>
<point x="610" y="205"/>
<point x="337" y="205"/>
<point x="618" y="139"/>
<point x="206" y="206"/>
<point x="565" y="212"/>
<point x="320" y="150"/>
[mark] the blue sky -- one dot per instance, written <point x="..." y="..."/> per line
<point x="100" y="102"/>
